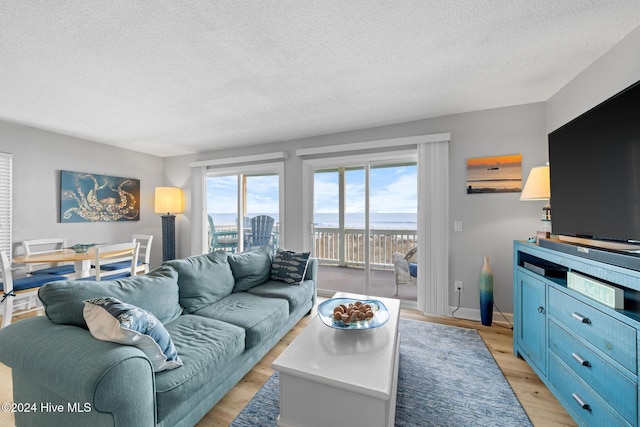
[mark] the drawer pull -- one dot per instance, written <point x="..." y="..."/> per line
<point x="580" y="360"/>
<point x="581" y="402"/>
<point x="579" y="317"/>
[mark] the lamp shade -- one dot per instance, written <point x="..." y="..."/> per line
<point x="537" y="186"/>
<point x="168" y="200"/>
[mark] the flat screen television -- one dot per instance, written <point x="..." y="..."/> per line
<point x="594" y="164"/>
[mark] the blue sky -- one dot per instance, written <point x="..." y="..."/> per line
<point x="262" y="194"/>
<point x="393" y="190"/>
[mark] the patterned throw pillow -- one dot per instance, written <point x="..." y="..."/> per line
<point x="289" y="267"/>
<point x="110" y="319"/>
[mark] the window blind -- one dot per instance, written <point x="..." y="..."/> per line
<point x="6" y="201"/>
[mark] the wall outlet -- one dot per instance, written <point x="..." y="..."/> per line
<point x="458" y="285"/>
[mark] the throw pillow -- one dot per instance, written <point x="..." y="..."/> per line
<point x="289" y="267"/>
<point x="110" y="319"/>
<point x="250" y="268"/>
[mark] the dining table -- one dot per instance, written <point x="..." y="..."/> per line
<point x="81" y="260"/>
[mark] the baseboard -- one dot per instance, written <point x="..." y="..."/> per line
<point x="465" y="313"/>
<point x="474" y="314"/>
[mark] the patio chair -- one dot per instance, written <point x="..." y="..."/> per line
<point x="405" y="267"/>
<point x="246" y="223"/>
<point x="22" y="293"/>
<point x="261" y="232"/>
<point x="38" y="246"/>
<point x="222" y="240"/>
<point x="246" y="229"/>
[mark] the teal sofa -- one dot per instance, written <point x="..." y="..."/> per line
<point x="223" y="312"/>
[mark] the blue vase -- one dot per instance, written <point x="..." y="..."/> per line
<point x="486" y="293"/>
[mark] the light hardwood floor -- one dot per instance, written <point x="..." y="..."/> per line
<point x="540" y="405"/>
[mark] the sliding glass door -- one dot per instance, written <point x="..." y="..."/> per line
<point x="244" y="209"/>
<point x="364" y="211"/>
<point x="339" y="217"/>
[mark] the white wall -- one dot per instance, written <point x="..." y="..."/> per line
<point x="612" y="72"/>
<point x="491" y="221"/>
<point x="38" y="158"/>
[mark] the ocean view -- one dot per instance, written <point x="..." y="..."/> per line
<point x="401" y="221"/>
<point x="485" y="176"/>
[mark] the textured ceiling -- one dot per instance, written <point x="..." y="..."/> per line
<point x="175" y="77"/>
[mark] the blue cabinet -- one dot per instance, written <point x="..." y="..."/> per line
<point x="530" y="328"/>
<point x="583" y="350"/>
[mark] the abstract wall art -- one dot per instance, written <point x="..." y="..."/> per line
<point x="87" y="197"/>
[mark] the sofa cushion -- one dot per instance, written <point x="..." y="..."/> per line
<point x="413" y="269"/>
<point x="295" y="295"/>
<point x="206" y="347"/>
<point x="289" y="267"/>
<point x="258" y="316"/>
<point x="202" y="279"/>
<point x="110" y="319"/>
<point x="250" y="268"/>
<point x="31" y="282"/>
<point x="156" y="292"/>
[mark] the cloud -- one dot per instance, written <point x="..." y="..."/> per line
<point x="222" y="194"/>
<point x="397" y="195"/>
<point x="262" y="194"/>
<point x="393" y="190"/>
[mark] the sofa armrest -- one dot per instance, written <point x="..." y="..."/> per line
<point x="96" y="382"/>
<point x="312" y="270"/>
<point x="312" y="274"/>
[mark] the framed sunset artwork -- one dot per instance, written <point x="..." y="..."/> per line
<point x="494" y="174"/>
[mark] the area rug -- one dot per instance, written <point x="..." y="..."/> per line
<point x="447" y="377"/>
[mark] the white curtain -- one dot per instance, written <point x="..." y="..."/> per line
<point x="199" y="244"/>
<point x="433" y="227"/>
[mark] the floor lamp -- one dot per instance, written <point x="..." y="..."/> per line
<point x="537" y="188"/>
<point x="168" y="200"/>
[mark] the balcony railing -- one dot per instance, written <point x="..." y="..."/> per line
<point x="347" y="249"/>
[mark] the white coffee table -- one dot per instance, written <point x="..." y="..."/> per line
<point x="332" y="377"/>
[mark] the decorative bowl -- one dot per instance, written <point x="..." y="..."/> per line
<point x="380" y="314"/>
<point x="81" y="248"/>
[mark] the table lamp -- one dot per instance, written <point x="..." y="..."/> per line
<point x="168" y="200"/>
<point x="537" y="187"/>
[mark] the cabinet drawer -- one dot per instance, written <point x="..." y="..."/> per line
<point x="582" y="401"/>
<point x="611" y="384"/>
<point x="607" y="334"/>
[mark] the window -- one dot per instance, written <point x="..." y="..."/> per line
<point x="236" y="200"/>
<point x="364" y="211"/>
<point x="433" y="204"/>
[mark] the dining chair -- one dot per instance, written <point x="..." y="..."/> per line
<point x="224" y="240"/>
<point x="20" y="293"/>
<point x="261" y="232"/>
<point x="123" y="252"/>
<point x="40" y="246"/>
<point x="144" y="253"/>
<point x="144" y="256"/>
